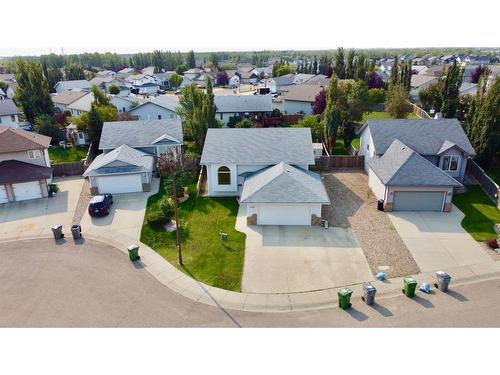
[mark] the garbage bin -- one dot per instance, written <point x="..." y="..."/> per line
<point x="344" y="298"/>
<point x="380" y="205"/>
<point x="369" y="292"/>
<point x="410" y="285"/>
<point x="76" y="231"/>
<point x="443" y="280"/>
<point x="52" y="188"/>
<point x="133" y="252"/>
<point x="223" y="236"/>
<point x="57" y="231"/>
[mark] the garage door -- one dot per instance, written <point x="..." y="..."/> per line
<point x="129" y="183"/>
<point x="418" y="200"/>
<point x="27" y="190"/>
<point x="3" y="194"/>
<point x="284" y="215"/>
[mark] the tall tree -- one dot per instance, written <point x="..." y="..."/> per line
<point x="100" y="98"/>
<point x="394" y="78"/>
<point x="360" y="71"/>
<point x="46" y="124"/>
<point x="339" y="66"/>
<point x="191" y="103"/>
<point x="451" y="86"/>
<point x="190" y="60"/>
<point x="315" y="66"/>
<point x="32" y="90"/>
<point x="74" y="72"/>
<point x="209" y="104"/>
<point x="349" y="70"/>
<point x="319" y="104"/>
<point x="54" y="75"/>
<point x="331" y="117"/>
<point x="397" y="104"/>
<point x="478" y="72"/>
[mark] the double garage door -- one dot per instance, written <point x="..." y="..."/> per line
<point x="128" y="183"/>
<point x="418" y="200"/>
<point x="284" y="215"/>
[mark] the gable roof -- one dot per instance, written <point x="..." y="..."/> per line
<point x="74" y="84"/>
<point x="243" y="103"/>
<point x="284" y="183"/>
<point x="8" y="107"/>
<point x="84" y="103"/>
<point x="424" y="136"/>
<point x="14" y="140"/>
<point x="139" y="133"/>
<point x="418" y="80"/>
<point x="258" y="146"/>
<point x="15" y="171"/>
<point x="165" y="102"/>
<point x="400" y="165"/>
<point x="302" y="93"/>
<point x="130" y="160"/>
<point x="67" y="97"/>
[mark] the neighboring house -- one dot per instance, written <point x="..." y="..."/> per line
<point x="419" y="82"/>
<point x="144" y="84"/>
<point x="319" y="79"/>
<point x="79" y="136"/>
<point x="10" y="80"/>
<point x="268" y="170"/>
<point x="9" y="113"/>
<point x="467" y="88"/>
<point x="300" y="98"/>
<point x="106" y="73"/>
<point x="81" y="105"/>
<point x="414" y="165"/>
<point x="164" y="79"/>
<point x="64" y="99"/>
<point x="250" y="106"/>
<point x="126" y="71"/>
<point x="80" y="84"/>
<point x="149" y="70"/>
<point x="25" y="170"/>
<point x="124" y="103"/>
<point x="248" y="75"/>
<point x="159" y="108"/>
<point x="284" y="81"/>
<point x="123" y="170"/>
<point x="302" y="78"/>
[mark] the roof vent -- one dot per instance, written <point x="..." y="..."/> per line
<point x="402" y="148"/>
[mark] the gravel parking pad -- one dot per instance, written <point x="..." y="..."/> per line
<point x="353" y="205"/>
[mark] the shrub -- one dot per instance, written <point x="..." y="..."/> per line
<point x="492" y="243"/>
<point x="157" y="218"/>
<point x="376" y="96"/>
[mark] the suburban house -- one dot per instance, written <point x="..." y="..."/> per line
<point x="80" y="84"/>
<point x="164" y="79"/>
<point x="80" y="137"/>
<point x="64" y="99"/>
<point x="419" y="82"/>
<point x="300" y="98"/>
<point x="250" y="106"/>
<point x="268" y="169"/>
<point x="143" y="84"/>
<point x="124" y="103"/>
<point x="81" y="105"/>
<point x="25" y="170"/>
<point x="9" y="113"/>
<point x="158" y="108"/>
<point x="415" y="165"/>
<point x="127" y="162"/>
<point x="248" y="74"/>
<point x="10" y="80"/>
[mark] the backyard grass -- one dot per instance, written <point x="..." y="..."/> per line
<point x="494" y="173"/>
<point x="381" y="115"/>
<point x="480" y="213"/>
<point x="67" y="155"/>
<point x="340" y="149"/>
<point x="206" y="257"/>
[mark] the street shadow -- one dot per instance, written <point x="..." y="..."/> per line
<point x="138" y="264"/>
<point x="385" y="312"/>
<point x="356" y="314"/>
<point x="60" y="241"/>
<point x="79" y="241"/>
<point x="458" y="296"/>
<point x="423" y="302"/>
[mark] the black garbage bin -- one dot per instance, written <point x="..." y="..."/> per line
<point x="76" y="231"/>
<point x="369" y="292"/>
<point x="380" y="205"/>
<point x="57" y="231"/>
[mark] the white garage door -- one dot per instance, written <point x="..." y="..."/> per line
<point x="27" y="190"/>
<point x="3" y="194"/>
<point x="418" y="200"/>
<point x="284" y="215"/>
<point x="128" y="183"/>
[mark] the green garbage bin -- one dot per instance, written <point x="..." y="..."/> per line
<point x="410" y="285"/>
<point x="53" y="188"/>
<point x="133" y="252"/>
<point x="344" y="298"/>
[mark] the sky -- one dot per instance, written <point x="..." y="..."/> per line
<point x="126" y="26"/>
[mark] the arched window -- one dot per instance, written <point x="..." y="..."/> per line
<point x="224" y="176"/>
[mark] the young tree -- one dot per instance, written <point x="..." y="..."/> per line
<point x="181" y="68"/>
<point x="54" y="75"/>
<point x="190" y="60"/>
<point x="430" y="97"/>
<point x="319" y="104"/>
<point x="192" y="109"/>
<point x="74" y="72"/>
<point x="244" y="123"/>
<point x="349" y="70"/>
<point x="314" y="123"/>
<point x="397" y="104"/>
<point x="451" y="85"/>
<point x="283" y="70"/>
<point x="331" y="117"/>
<point x="175" y="80"/>
<point x="4" y="86"/>
<point x="339" y="66"/>
<point x="222" y="78"/>
<point x="113" y="89"/>
<point x="32" y="90"/>
<point x="100" y="98"/>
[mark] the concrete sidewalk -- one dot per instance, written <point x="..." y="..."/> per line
<point x="197" y="291"/>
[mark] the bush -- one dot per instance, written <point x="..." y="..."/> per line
<point x="376" y="96"/>
<point x="113" y="89"/>
<point x="244" y="123"/>
<point x="492" y="243"/>
<point x="157" y="219"/>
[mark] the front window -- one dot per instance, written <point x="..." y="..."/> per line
<point x="159" y="117"/>
<point x="450" y="163"/>
<point x="224" y="176"/>
<point x="34" y="154"/>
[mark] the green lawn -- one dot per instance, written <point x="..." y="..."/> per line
<point x="340" y="147"/>
<point x="480" y="213"/>
<point x="206" y="257"/>
<point x="66" y="155"/>
<point x="380" y="115"/>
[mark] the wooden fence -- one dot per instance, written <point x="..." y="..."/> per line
<point x="420" y="112"/>
<point x="487" y="184"/>
<point x="68" y="169"/>
<point x="328" y="163"/>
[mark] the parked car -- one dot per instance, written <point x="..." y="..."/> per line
<point x="99" y="205"/>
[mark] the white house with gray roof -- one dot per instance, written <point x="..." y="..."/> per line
<point x="268" y="169"/>
<point x="415" y="165"/>
<point x="78" y="84"/>
<point x="251" y="106"/>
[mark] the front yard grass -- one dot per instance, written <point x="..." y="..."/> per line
<point x="480" y="213"/>
<point x="206" y="257"/>
<point x="67" y="155"/>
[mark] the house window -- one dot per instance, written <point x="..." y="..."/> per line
<point x="159" y="117"/>
<point x="123" y="109"/>
<point x="34" y="154"/>
<point x="450" y="163"/>
<point x="13" y="118"/>
<point x="172" y="115"/>
<point x="367" y="147"/>
<point x="224" y="176"/>
<point x="222" y="116"/>
<point x="80" y="135"/>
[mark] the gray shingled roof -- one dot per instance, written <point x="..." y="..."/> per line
<point x="74" y="84"/>
<point x="258" y="146"/>
<point x="243" y="103"/>
<point x="424" y="136"/>
<point x="283" y="183"/>
<point x="402" y="166"/>
<point x="123" y="159"/>
<point x="8" y="107"/>
<point x="140" y="133"/>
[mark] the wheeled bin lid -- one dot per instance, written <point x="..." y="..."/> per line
<point x="443" y="275"/>
<point x="369" y="287"/>
<point x="345" y="292"/>
<point x="133" y="247"/>
<point x="57" y="226"/>
<point x="410" y="280"/>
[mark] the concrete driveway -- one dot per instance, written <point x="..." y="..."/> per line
<point x="126" y="215"/>
<point x="287" y="259"/>
<point x="437" y="241"/>
<point x="35" y="217"/>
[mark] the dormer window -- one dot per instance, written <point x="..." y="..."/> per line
<point x="34" y="154"/>
<point x="450" y="163"/>
<point x="224" y="176"/>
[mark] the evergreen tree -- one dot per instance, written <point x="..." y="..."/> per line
<point x="405" y="75"/>
<point x="210" y="105"/>
<point x="394" y="78"/>
<point x="315" y="66"/>
<point x="54" y="75"/>
<point x="360" y="70"/>
<point x="190" y="60"/>
<point x="339" y="66"/>
<point x="73" y="72"/>
<point x="450" y="94"/>
<point x="100" y="98"/>
<point x="349" y="71"/>
<point x="331" y="116"/>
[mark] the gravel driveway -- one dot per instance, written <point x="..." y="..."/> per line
<point x="353" y="205"/>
